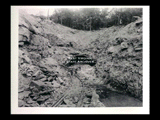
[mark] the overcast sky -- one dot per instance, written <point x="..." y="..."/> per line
<point x="37" y="10"/>
<point x="42" y="10"/>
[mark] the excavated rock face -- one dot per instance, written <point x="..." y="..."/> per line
<point x="43" y="78"/>
<point x="121" y="67"/>
<point x="119" y="58"/>
<point x="38" y="71"/>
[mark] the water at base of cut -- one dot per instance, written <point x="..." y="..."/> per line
<point x="114" y="99"/>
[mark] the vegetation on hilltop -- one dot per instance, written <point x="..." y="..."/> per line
<point x="95" y="18"/>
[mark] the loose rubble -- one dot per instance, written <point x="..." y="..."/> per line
<point x="120" y="61"/>
<point x="44" y="47"/>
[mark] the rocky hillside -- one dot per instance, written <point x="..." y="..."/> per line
<point x="43" y="80"/>
<point x="119" y="53"/>
<point x="44" y="47"/>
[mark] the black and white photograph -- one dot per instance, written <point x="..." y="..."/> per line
<point x="79" y="57"/>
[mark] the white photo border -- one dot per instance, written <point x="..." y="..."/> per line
<point x="102" y="110"/>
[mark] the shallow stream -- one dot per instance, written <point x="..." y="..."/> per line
<point x="114" y="99"/>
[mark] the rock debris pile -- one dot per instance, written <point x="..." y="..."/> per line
<point x="120" y="59"/>
<point x="44" y="48"/>
<point x="43" y="81"/>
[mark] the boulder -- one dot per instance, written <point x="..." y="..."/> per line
<point x="38" y="84"/>
<point x="38" y="75"/>
<point x="39" y="40"/>
<point x="75" y="99"/>
<point x="119" y="40"/>
<point x="141" y="72"/>
<point x="43" y="79"/>
<point x="59" y="80"/>
<point x="30" y="101"/>
<point x="23" y="82"/>
<point x="48" y="64"/>
<point x="34" y="94"/>
<point x="23" y="58"/>
<point x="124" y="45"/>
<point x="28" y="70"/>
<point x="42" y="99"/>
<point x="23" y="37"/>
<point x="111" y="50"/>
<point x="71" y="44"/>
<point x="59" y="51"/>
<point x="24" y="34"/>
<point x="86" y="100"/>
<point x="52" y="38"/>
<point x="68" y="102"/>
<point x="100" y="104"/>
<point x="114" y="49"/>
<point x="21" y="44"/>
<point x="50" y="78"/>
<point x="23" y="94"/>
<point x="138" y="49"/>
<point x="34" y="57"/>
<point x="55" y="84"/>
<point x="138" y="23"/>
<point x="21" y="103"/>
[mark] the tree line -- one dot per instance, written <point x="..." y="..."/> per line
<point x="94" y="18"/>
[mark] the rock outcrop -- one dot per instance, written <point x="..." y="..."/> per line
<point x="42" y="51"/>
<point x="44" y="47"/>
<point x="120" y="61"/>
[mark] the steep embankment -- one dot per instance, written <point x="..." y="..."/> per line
<point x="119" y="53"/>
<point x="43" y="80"/>
<point x="44" y="46"/>
<point x="40" y="76"/>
